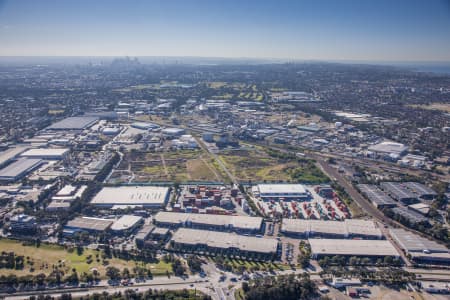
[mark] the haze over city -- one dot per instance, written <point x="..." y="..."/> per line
<point x="404" y="30"/>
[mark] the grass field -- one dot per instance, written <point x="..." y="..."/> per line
<point x="445" y="107"/>
<point x="184" y="165"/>
<point x="254" y="165"/>
<point x="43" y="258"/>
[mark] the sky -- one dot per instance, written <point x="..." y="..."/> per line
<point x="364" y="30"/>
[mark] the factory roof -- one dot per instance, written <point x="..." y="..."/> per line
<point x="397" y="190"/>
<point x="224" y="240"/>
<point x="74" y="123"/>
<point x="19" y="167"/>
<point x="376" y="195"/>
<point x="348" y="227"/>
<point x="241" y="222"/>
<point x="411" y="215"/>
<point x="131" y="195"/>
<point x="411" y="242"/>
<point x="125" y="222"/>
<point x="389" y="147"/>
<point x="89" y="223"/>
<point x="45" y="152"/>
<point x="7" y="155"/>
<point x="283" y="189"/>
<point x="419" y="189"/>
<point x="352" y="247"/>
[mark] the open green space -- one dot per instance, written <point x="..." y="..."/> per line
<point x="44" y="258"/>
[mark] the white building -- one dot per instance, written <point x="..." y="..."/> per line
<point x="278" y="191"/>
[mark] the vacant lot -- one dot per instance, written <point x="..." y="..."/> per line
<point x="257" y="165"/>
<point x="445" y="107"/>
<point x="182" y="166"/>
<point x="42" y="259"/>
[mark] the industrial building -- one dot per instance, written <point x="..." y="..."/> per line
<point x="87" y="224"/>
<point x="421" y="250"/>
<point x="397" y="191"/>
<point x="9" y="155"/>
<point x="361" y="248"/>
<point x="18" y="169"/>
<point x="409" y="214"/>
<point x="350" y="228"/>
<point x="74" y="123"/>
<point x="221" y="243"/>
<point x="173" y="132"/>
<point x="145" y="125"/>
<point x="240" y="224"/>
<point x="47" y="153"/>
<point x="281" y="191"/>
<point x="65" y="196"/>
<point x="378" y="198"/>
<point x="132" y="196"/>
<point x="389" y="148"/>
<point x="126" y="224"/>
<point x="422" y="191"/>
<point x="23" y="224"/>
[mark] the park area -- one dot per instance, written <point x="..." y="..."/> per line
<point x="45" y="258"/>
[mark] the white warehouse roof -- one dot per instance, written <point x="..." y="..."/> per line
<point x="352" y="247"/>
<point x="132" y="196"/>
<point x="224" y="240"/>
<point x="281" y="189"/>
<point x="239" y="222"/>
<point x="46" y="152"/>
<point x="125" y="222"/>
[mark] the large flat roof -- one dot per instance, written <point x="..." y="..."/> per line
<point x="397" y="190"/>
<point x="420" y="189"/>
<point x="74" y="123"/>
<point x="242" y="222"/>
<point x="88" y="223"/>
<point x="347" y="227"/>
<point x="224" y="240"/>
<point x="7" y="155"/>
<point x="45" y="152"/>
<point x="352" y="247"/>
<point x="132" y="195"/>
<point x="376" y="195"/>
<point x="125" y="222"/>
<point x="281" y="189"/>
<point x="389" y="147"/>
<point x="18" y="167"/>
<point x="411" y="242"/>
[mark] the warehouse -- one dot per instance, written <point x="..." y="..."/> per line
<point x="9" y="155"/>
<point x="350" y="228"/>
<point x="126" y="224"/>
<point x="389" y="148"/>
<point x="142" y="196"/>
<point x="221" y="243"/>
<point x="378" y="198"/>
<point x="73" y="123"/>
<point x="421" y="250"/>
<point x="284" y="191"/>
<point x="424" y="192"/>
<point x="399" y="193"/>
<point x="87" y="224"/>
<point x="361" y="248"/>
<point x="47" y="153"/>
<point x="173" y="132"/>
<point x="240" y="224"/>
<point x="412" y="216"/>
<point x="19" y="169"/>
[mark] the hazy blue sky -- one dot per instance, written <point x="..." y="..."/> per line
<point x="397" y="30"/>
